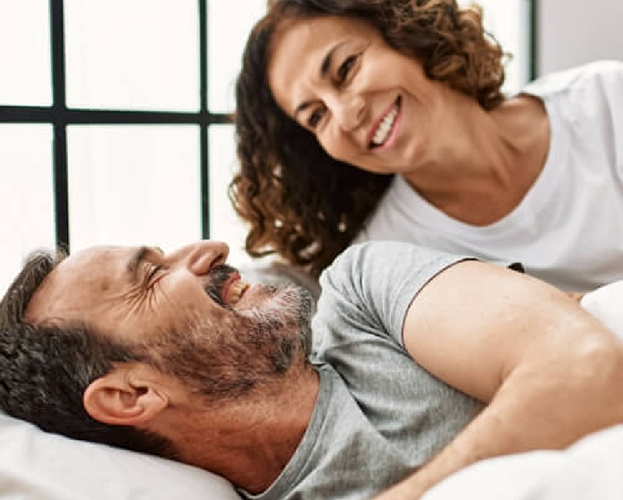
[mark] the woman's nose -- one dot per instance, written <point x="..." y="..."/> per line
<point x="201" y="256"/>
<point x="349" y="112"/>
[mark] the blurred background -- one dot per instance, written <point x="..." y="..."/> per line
<point x="114" y="114"/>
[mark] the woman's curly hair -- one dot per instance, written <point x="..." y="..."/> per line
<point x="300" y="202"/>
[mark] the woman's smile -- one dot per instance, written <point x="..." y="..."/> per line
<point x="384" y="132"/>
<point x="354" y="92"/>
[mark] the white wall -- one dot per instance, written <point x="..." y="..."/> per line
<point x="572" y="32"/>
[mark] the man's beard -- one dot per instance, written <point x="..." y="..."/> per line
<point x="244" y="351"/>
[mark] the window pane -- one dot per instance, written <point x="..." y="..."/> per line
<point x="25" y="53"/>
<point x="229" y="23"/>
<point x="133" y="54"/>
<point x="134" y="185"/>
<point x="26" y="202"/>
<point x="224" y="223"/>
<point x="509" y="22"/>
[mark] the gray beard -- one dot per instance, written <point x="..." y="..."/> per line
<point x="247" y="351"/>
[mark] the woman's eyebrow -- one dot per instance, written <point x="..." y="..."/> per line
<point x="328" y="58"/>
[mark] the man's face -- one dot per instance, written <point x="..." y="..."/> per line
<point x="187" y="312"/>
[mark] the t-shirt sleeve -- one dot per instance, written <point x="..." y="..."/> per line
<point x="597" y="101"/>
<point x="590" y="98"/>
<point x="370" y="286"/>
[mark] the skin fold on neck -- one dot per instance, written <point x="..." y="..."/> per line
<point x="249" y="442"/>
<point x="486" y="161"/>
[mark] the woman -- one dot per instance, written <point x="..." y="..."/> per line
<point x="382" y="119"/>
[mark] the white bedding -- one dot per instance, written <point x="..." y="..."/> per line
<point x="592" y="469"/>
<point x="35" y="465"/>
<point x="38" y="466"/>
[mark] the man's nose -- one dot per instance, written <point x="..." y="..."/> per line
<point x="349" y="111"/>
<point x="200" y="257"/>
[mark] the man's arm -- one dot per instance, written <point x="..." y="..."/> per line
<point x="550" y="372"/>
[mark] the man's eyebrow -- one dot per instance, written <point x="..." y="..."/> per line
<point x="135" y="261"/>
<point x="325" y="66"/>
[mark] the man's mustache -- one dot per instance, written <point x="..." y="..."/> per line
<point x="217" y="277"/>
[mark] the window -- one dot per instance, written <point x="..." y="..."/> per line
<point x="114" y="119"/>
<point x="512" y="22"/>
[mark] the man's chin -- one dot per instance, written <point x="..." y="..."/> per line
<point x="246" y="350"/>
<point x="294" y="301"/>
<point x="278" y="298"/>
<point x="284" y="307"/>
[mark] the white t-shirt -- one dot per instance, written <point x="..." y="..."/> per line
<point x="568" y="229"/>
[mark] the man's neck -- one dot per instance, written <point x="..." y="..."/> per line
<point x="250" y="443"/>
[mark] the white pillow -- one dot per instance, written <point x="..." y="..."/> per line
<point x="606" y="304"/>
<point x="36" y="465"/>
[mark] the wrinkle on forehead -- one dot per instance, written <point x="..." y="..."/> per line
<point x="279" y="79"/>
<point x="74" y="284"/>
<point x="297" y="49"/>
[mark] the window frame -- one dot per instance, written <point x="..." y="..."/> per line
<point x="59" y="116"/>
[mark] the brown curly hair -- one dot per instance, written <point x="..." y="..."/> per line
<point x="300" y="202"/>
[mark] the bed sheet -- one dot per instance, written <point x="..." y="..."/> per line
<point x="592" y="469"/>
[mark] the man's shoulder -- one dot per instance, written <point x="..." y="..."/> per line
<point x="377" y="249"/>
<point x="359" y="257"/>
<point x="378" y="279"/>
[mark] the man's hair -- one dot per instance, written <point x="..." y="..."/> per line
<point x="45" y="368"/>
<point x="299" y="201"/>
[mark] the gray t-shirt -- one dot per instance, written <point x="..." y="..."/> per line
<point x="379" y="415"/>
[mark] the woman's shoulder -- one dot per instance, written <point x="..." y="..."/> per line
<point x="578" y="79"/>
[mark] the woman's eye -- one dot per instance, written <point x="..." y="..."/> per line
<point x="346" y="67"/>
<point x="315" y="117"/>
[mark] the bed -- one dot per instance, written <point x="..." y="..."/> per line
<point x="35" y="465"/>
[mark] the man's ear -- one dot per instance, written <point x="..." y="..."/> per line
<point x="128" y="395"/>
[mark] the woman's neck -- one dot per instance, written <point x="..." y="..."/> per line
<point x="487" y="161"/>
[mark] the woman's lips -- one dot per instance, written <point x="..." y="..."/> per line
<point x="385" y="128"/>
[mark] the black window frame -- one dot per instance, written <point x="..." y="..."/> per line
<point x="59" y="116"/>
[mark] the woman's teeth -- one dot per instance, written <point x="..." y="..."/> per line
<point x="385" y="127"/>
<point x="236" y="290"/>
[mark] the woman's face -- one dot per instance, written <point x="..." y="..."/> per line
<point x="368" y="104"/>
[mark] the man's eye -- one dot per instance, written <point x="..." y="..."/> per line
<point x="152" y="273"/>
<point x="346" y="67"/>
<point x="315" y="117"/>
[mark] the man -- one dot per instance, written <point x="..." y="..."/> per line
<point x="421" y="363"/>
